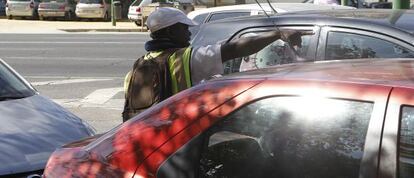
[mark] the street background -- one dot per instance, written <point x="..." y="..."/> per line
<point x="80" y="65"/>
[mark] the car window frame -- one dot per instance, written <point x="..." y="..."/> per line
<point x="323" y="39"/>
<point x="399" y="97"/>
<point x="211" y="14"/>
<point x="311" y="53"/>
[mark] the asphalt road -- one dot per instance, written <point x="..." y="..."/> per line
<point x="82" y="72"/>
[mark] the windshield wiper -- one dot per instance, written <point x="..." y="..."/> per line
<point x="5" y="98"/>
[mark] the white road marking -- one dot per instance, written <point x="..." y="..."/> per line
<point x="115" y="104"/>
<point x="60" y="82"/>
<point x="102" y="95"/>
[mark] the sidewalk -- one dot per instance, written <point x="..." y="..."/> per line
<point x="37" y="26"/>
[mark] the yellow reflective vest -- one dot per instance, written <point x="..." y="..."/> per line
<point x="179" y="68"/>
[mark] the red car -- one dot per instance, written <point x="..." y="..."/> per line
<point x="338" y="119"/>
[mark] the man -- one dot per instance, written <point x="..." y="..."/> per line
<point x="186" y="66"/>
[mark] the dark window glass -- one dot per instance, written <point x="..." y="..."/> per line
<point x="136" y="3"/>
<point x="352" y="46"/>
<point x="11" y="87"/>
<point x="289" y="137"/>
<point x="220" y="16"/>
<point x="200" y="18"/>
<point x="406" y="148"/>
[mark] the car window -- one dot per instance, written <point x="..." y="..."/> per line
<point x="200" y="18"/>
<point x="136" y="2"/>
<point x="219" y="16"/>
<point x="91" y="1"/>
<point x="296" y="49"/>
<point x="406" y="145"/>
<point x="342" y="45"/>
<point x="289" y="137"/>
<point x="11" y="87"/>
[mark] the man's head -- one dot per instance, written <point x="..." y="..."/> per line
<point x="171" y="23"/>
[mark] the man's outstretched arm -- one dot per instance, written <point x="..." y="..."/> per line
<point x="248" y="45"/>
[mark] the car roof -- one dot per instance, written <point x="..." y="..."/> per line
<point x="279" y="7"/>
<point x="390" y="72"/>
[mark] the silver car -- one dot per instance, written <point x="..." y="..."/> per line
<point x="32" y="126"/>
<point x="94" y="9"/>
<point x="57" y="8"/>
<point x="22" y="8"/>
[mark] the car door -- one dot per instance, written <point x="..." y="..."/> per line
<point x="278" y="52"/>
<point x="287" y="129"/>
<point x="397" y="155"/>
<point x="342" y="43"/>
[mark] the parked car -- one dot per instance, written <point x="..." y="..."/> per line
<point x="218" y="13"/>
<point x="22" y="8"/>
<point x="32" y="126"/>
<point x="135" y="11"/>
<point x="94" y="9"/>
<point x="57" y="8"/>
<point x="350" y="118"/>
<point x="327" y="35"/>
<point x="2" y="7"/>
<point x="378" y="5"/>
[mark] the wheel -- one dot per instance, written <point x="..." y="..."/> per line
<point x="9" y="17"/>
<point x="41" y="17"/>
<point x="138" y="23"/>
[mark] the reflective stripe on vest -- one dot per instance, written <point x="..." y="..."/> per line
<point x="179" y="67"/>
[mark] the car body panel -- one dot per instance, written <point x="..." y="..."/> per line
<point x="33" y="127"/>
<point x="56" y="9"/>
<point x="153" y="136"/>
<point x="93" y="10"/>
<point x="135" y="9"/>
<point x="206" y="15"/>
<point x="168" y="117"/>
<point x="400" y="96"/>
<point x="32" y="130"/>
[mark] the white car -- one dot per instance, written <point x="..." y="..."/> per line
<point x="217" y="13"/>
<point x="135" y="10"/>
<point x="94" y="9"/>
<point x="22" y="8"/>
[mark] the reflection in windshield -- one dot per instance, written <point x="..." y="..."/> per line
<point x="11" y="87"/>
<point x="52" y="0"/>
<point x="91" y="1"/>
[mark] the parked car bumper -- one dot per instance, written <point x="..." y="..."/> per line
<point x="95" y="14"/>
<point x="134" y="17"/>
<point x="19" y="12"/>
<point x="49" y="13"/>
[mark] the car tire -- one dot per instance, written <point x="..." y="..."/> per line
<point x="9" y="17"/>
<point x="138" y="23"/>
